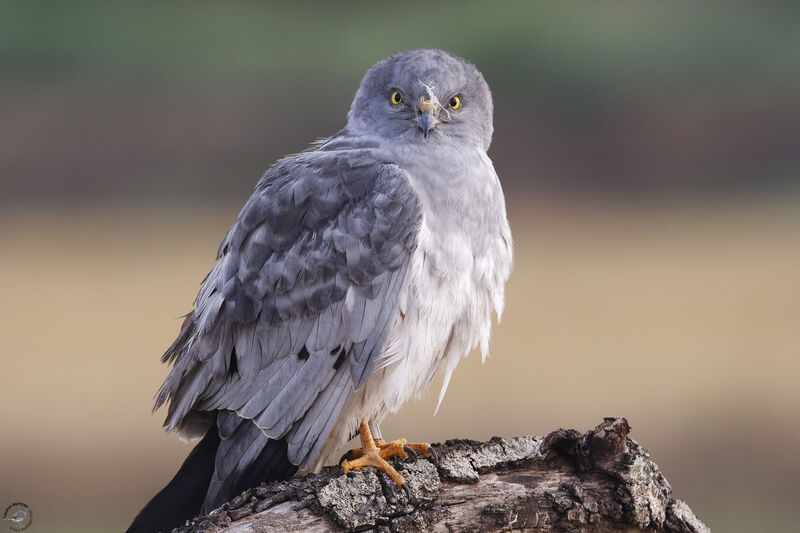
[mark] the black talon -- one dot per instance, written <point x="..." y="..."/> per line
<point x="345" y="457"/>
<point x="404" y="486"/>
<point x="434" y="456"/>
<point x="409" y="451"/>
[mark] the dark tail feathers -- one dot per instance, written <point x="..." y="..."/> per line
<point x="183" y="497"/>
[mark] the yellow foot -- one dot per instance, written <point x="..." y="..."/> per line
<point x="374" y="452"/>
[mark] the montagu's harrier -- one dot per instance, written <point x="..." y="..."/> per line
<point x="353" y="273"/>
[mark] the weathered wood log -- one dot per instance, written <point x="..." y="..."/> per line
<point x="599" y="481"/>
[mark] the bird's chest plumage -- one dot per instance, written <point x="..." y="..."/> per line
<point x="456" y="275"/>
<point x="454" y="280"/>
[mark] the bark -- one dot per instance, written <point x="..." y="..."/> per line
<point x="600" y="481"/>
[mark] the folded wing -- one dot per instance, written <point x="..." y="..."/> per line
<point x="293" y="316"/>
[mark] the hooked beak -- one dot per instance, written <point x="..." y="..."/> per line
<point x="427" y="116"/>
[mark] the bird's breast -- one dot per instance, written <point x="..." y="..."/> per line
<point x="456" y="274"/>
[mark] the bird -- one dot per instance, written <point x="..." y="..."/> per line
<point x="18" y="516"/>
<point x="355" y="271"/>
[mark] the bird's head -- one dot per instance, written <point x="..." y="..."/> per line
<point x="424" y="95"/>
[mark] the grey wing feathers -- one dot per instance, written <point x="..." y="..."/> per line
<point x="294" y="314"/>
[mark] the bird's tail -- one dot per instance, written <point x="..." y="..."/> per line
<point x="233" y="456"/>
<point x="183" y="497"/>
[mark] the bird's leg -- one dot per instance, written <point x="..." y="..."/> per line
<point x="375" y="452"/>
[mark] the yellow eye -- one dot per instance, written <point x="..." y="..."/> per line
<point x="396" y="98"/>
<point x="455" y="102"/>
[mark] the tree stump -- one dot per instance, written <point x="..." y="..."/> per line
<point x="600" y="481"/>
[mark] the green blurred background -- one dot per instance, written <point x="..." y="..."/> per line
<point x="649" y="152"/>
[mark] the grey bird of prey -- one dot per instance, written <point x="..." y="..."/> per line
<point x="353" y="273"/>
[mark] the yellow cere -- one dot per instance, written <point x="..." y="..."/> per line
<point x="455" y="102"/>
<point x="396" y="98"/>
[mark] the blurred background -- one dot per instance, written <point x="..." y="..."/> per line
<point x="650" y="154"/>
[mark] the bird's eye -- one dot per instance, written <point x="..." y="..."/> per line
<point x="396" y="98"/>
<point x="455" y="102"/>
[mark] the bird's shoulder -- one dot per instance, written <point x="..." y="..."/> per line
<point x="344" y="216"/>
<point x="339" y="180"/>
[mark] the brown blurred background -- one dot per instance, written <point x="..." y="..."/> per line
<point x="649" y="153"/>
